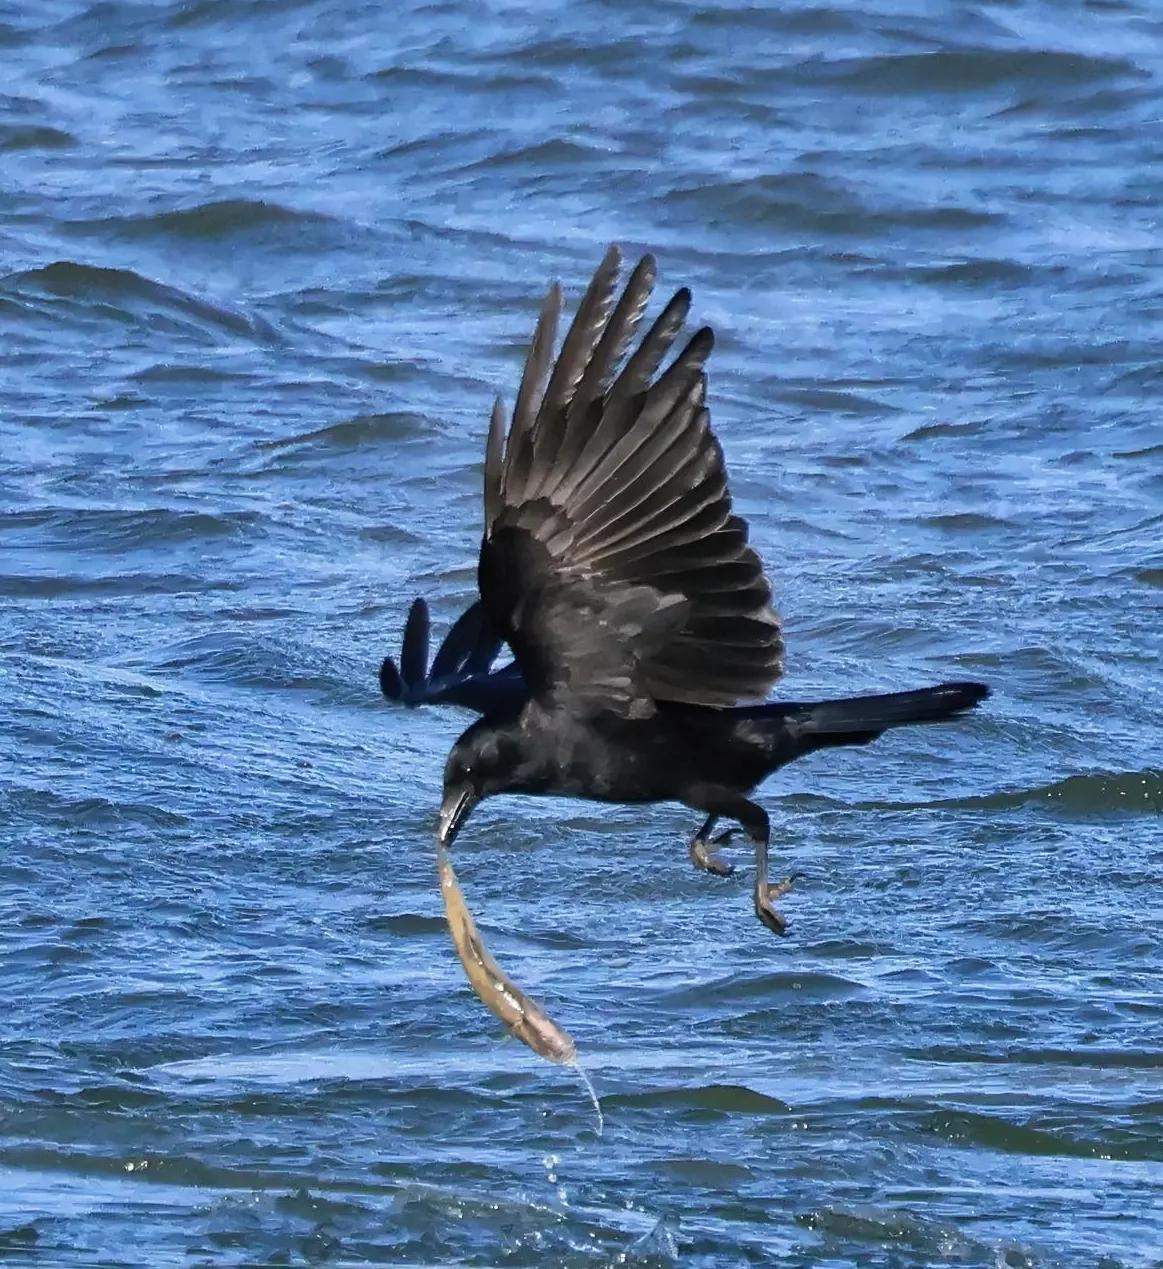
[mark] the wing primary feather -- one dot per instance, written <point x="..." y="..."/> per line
<point x="458" y="643"/>
<point x="672" y="418"/>
<point x="675" y="527"/>
<point x="495" y="463"/>
<point x="664" y="510"/>
<point x="665" y="394"/>
<point x="519" y="451"/>
<point x="623" y="397"/>
<point x="414" y="653"/>
<point x="667" y="464"/>
<point x="648" y="356"/>
<point x="610" y="349"/>
<point x="577" y="352"/>
<point x="584" y="411"/>
<point x="584" y="334"/>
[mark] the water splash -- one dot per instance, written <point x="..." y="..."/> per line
<point x="589" y="1087"/>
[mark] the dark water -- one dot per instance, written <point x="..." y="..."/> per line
<point x="264" y="264"/>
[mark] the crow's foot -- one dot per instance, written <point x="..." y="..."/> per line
<point x="705" y="856"/>
<point x="783" y="887"/>
<point x="765" y="908"/>
<point x="770" y="915"/>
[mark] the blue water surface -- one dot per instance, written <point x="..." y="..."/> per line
<point x="263" y="266"/>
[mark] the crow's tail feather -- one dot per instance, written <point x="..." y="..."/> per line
<point x="802" y="727"/>
<point x="894" y="709"/>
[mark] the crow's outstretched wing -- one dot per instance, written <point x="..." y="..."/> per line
<point x="461" y="671"/>
<point x="611" y="562"/>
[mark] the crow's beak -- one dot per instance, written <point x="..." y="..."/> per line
<point x="454" y="810"/>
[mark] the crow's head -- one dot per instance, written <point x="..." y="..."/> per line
<point x="484" y="761"/>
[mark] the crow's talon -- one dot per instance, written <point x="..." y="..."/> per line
<point x="783" y="887"/>
<point x="702" y="856"/>
<point x="767" y="912"/>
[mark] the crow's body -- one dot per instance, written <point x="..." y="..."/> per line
<point x="664" y="757"/>
<point x="686" y="753"/>
<point x="638" y="614"/>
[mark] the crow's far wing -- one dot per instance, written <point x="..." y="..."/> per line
<point x="460" y="673"/>
<point x="403" y="682"/>
<point x="469" y="647"/>
<point x="611" y="562"/>
<point x="414" y="649"/>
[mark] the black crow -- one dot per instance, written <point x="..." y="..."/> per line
<point x="638" y="615"/>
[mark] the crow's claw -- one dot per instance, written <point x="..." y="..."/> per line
<point x="765" y="909"/>
<point x="770" y="915"/>
<point x="709" y="860"/>
<point x="783" y="887"/>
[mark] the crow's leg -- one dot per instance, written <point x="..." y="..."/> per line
<point x="702" y="848"/>
<point x="757" y="826"/>
<point x="718" y="803"/>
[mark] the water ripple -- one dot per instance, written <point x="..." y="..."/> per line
<point x="266" y="264"/>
